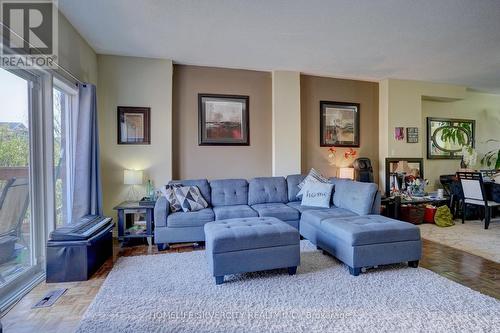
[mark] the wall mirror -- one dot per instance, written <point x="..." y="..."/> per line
<point x="397" y="170"/>
<point x="446" y="137"/>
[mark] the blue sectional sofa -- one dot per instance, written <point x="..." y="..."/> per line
<point x="264" y="196"/>
<point x="351" y="229"/>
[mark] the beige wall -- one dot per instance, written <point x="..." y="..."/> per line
<point x="400" y="104"/>
<point x="483" y="108"/>
<point x="315" y="89"/>
<point x="75" y="54"/>
<point x="286" y="123"/>
<point x="193" y="161"/>
<point x="128" y="81"/>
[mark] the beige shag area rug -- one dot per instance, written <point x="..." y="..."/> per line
<point x="175" y="293"/>
<point x="469" y="237"/>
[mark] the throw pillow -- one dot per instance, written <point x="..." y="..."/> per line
<point x="317" y="194"/>
<point x="190" y="198"/>
<point x="313" y="177"/>
<point x="168" y="192"/>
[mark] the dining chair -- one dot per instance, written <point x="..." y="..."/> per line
<point x="448" y="183"/>
<point x="474" y="194"/>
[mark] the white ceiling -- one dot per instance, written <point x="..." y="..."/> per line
<point x="449" y="41"/>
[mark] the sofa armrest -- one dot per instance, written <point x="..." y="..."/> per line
<point x="377" y="203"/>
<point x="162" y="208"/>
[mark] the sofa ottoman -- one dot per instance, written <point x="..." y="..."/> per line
<point x="251" y="244"/>
<point x="370" y="240"/>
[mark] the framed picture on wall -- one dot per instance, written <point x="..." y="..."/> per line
<point x="412" y="134"/>
<point x="134" y="125"/>
<point x="446" y="137"/>
<point x="223" y="120"/>
<point x="339" y="124"/>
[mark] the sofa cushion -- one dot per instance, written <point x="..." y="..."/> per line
<point x="169" y="193"/>
<point x="298" y="206"/>
<point x="278" y="210"/>
<point x="202" y="185"/>
<point x="292" y="182"/>
<point x="315" y="217"/>
<point x="312" y="177"/>
<point x="248" y="233"/>
<point x="235" y="211"/>
<point x="267" y="190"/>
<point x="370" y="229"/>
<point x="317" y="194"/>
<point x="190" y="219"/>
<point x="190" y="198"/>
<point x="354" y="196"/>
<point x="229" y="192"/>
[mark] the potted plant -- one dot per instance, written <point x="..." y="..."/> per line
<point x="492" y="158"/>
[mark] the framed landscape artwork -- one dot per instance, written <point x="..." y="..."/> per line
<point x="134" y="125"/>
<point x="223" y="120"/>
<point x="339" y="124"/>
<point x="446" y="137"/>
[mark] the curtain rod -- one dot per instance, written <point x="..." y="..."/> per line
<point x="31" y="45"/>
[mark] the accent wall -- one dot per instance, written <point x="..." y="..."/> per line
<point x="130" y="81"/>
<point x="315" y="89"/>
<point x="193" y="161"/>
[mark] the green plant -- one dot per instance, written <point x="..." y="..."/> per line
<point x="456" y="134"/>
<point x="492" y="158"/>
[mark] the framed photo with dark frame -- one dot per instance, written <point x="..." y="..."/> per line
<point x="339" y="124"/>
<point x="412" y="135"/>
<point x="223" y="120"/>
<point x="446" y="137"/>
<point x="134" y="125"/>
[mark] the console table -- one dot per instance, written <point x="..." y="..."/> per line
<point x="393" y="204"/>
<point x="129" y="227"/>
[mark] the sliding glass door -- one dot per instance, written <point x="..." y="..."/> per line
<point x="19" y="244"/>
<point x="64" y="99"/>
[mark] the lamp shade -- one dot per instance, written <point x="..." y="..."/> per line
<point x="347" y="173"/>
<point x="132" y="177"/>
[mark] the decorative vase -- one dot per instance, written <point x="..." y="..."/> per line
<point x="462" y="163"/>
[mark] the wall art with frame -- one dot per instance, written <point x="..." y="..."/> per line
<point x="339" y="124"/>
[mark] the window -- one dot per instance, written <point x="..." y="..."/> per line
<point x="64" y="97"/>
<point x="21" y="258"/>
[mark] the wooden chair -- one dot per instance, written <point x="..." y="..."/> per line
<point x="474" y="194"/>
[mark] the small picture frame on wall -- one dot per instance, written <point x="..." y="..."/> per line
<point x="399" y="133"/>
<point x="339" y="124"/>
<point x="134" y="125"/>
<point x="412" y="134"/>
<point x="223" y="120"/>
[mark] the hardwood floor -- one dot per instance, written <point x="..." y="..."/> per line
<point x="475" y="272"/>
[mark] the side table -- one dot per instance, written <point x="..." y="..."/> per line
<point x="129" y="226"/>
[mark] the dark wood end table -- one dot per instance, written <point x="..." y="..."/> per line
<point x="129" y="227"/>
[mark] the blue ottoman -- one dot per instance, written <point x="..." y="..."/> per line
<point x="370" y="240"/>
<point x="251" y="244"/>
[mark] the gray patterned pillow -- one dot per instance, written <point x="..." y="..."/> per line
<point x="190" y="198"/>
<point x="314" y="177"/>
<point x="168" y="192"/>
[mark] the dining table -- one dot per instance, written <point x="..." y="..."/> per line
<point x="492" y="191"/>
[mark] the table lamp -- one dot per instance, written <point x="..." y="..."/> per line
<point x="347" y="173"/>
<point x="132" y="178"/>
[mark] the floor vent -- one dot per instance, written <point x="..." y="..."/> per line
<point x="49" y="299"/>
